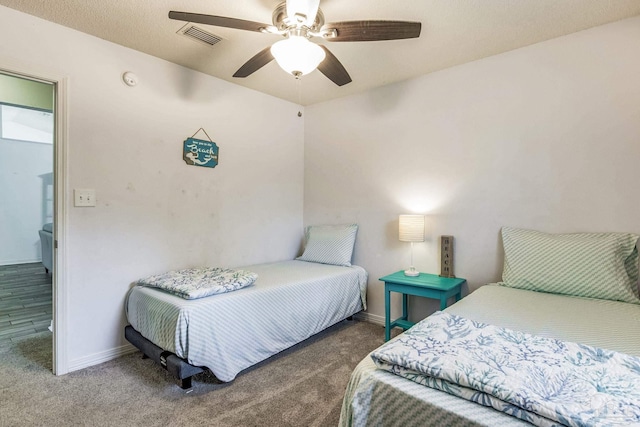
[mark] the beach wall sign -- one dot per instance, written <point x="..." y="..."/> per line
<point x="198" y="152"/>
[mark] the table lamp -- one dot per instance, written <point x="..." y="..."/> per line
<point x="411" y="229"/>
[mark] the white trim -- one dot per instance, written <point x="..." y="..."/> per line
<point x="60" y="173"/>
<point x="371" y="318"/>
<point x="101" y="357"/>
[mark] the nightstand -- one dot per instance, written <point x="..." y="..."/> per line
<point x="424" y="285"/>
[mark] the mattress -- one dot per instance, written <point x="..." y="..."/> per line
<point x="289" y="302"/>
<point x="375" y="397"/>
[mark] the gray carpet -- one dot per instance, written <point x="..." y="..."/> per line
<point x="302" y="386"/>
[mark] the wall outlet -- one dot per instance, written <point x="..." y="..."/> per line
<point x="84" y="197"/>
<point x="446" y="256"/>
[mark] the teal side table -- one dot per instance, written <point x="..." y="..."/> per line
<point x="424" y="285"/>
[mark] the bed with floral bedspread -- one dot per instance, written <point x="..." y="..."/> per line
<point x="541" y="380"/>
<point x="556" y="342"/>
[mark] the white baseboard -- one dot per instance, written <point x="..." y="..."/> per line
<point x="371" y="318"/>
<point x="101" y="357"/>
<point x="19" y="261"/>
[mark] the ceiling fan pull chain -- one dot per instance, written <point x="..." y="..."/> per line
<point x="299" y="89"/>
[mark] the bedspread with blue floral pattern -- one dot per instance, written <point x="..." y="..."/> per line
<point x="192" y="283"/>
<point x="544" y="381"/>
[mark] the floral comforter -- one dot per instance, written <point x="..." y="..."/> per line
<point x="195" y="283"/>
<point x="544" y="381"/>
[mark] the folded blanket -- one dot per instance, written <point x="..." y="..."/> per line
<point x="195" y="283"/>
<point x="544" y="381"/>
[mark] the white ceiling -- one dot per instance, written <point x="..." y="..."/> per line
<point x="453" y="32"/>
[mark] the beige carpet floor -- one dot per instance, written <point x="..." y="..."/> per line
<point x="302" y="386"/>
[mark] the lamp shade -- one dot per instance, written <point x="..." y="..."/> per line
<point x="297" y="55"/>
<point x="411" y="228"/>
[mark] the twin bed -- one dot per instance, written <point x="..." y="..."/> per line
<point x="228" y="332"/>
<point x="561" y="289"/>
<point x="375" y="397"/>
<point x="289" y="302"/>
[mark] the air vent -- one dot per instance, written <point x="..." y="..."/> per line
<point x="199" y="35"/>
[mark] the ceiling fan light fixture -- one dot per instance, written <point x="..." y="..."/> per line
<point x="298" y="56"/>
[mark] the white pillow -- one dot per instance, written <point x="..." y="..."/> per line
<point x="329" y="244"/>
<point x="592" y="265"/>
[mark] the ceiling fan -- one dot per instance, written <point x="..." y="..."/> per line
<point x="299" y="21"/>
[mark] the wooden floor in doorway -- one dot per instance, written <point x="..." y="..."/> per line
<point x="25" y="301"/>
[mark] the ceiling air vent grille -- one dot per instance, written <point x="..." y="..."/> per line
<point x="199" y="35"/>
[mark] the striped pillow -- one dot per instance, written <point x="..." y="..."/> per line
<point x="593" y="265"/>
<point x="329" y="244"/>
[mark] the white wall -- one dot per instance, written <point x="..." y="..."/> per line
<point x="25" y="171"/>
<point x="154" y="212"/>
<point x="544" y="137"/>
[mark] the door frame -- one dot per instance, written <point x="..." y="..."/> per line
<point x="60" y="173"/>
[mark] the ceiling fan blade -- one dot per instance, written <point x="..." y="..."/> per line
<point x="303" y="11"/>
<point x="333" y="69"/>
<point x="218" y="21"/>
<point x="364" y="31"/>
<point x="258" y="61"/>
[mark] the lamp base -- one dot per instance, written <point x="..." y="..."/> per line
<point x="412" y="272"/>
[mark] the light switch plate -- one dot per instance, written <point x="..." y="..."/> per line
<point x="84" y="197"/>
<point x="446" y="256"/>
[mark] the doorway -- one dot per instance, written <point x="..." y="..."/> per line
<point x="26" y="218"/>
<point x="32" y="153"/>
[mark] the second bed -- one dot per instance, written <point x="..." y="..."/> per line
<point x="226" y="333"/>
<point x="376" y="397"/>
<point x="556" y="342"/>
